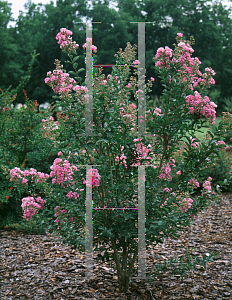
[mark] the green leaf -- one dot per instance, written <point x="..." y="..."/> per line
<point x="75" y="59"/>
<point x="72" y="73"/>
<point x="77" y="78"/>
<point x="75" y="65"/>
<point x="209" y="132"/>
<point x="82" y="69"/>
<point x="102" y="140"/>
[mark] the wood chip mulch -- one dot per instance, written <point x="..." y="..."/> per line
<point x="42" y="267"/>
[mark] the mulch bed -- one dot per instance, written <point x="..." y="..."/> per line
<point x="42" y="267"/>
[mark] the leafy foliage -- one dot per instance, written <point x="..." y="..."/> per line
<point x="209" y="24"/>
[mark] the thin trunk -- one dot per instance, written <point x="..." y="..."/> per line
<point x="123" y="272"/>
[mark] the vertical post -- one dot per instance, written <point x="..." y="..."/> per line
<point x="141" y="169"/>
<point x="88" y="131"/>
<point x="141" y="223"/>
<point x="141" y="79"/>
<point x="89" y="226"/>
<point x="89" y="80"/>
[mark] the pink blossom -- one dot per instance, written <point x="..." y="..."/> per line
<point x="95" y="178"/>
<point x="157" y="111"/>
<point x="24" y="181"/>
<point x="186" y="203"/>
<point x="133" y="106"/>
<point x="167" y="189"/>
<point x="159" y="52"/>
<point x="135" y="62"/>
<point x="194" y="182"/>
<point x="71" y="194"/>
<point x="65" y="40"/>
<point x="168" y="51"/>
<point x="93" y="48"/>
<point x="181" y="44"/>
<point x="30" y="206"/>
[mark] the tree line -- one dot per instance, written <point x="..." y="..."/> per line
<point x="209" y="24"/>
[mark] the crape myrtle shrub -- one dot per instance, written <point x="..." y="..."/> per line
<point x="24" y="143"/>
<point x="33" y="149"/>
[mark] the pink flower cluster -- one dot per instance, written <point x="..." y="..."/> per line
<point x="81" y="93"/>
<point x="79" y="88"/>
<point x="142" y="152"/>
<point x="187" y="67"/>
<point x="60" y="82"/>
<point x="220" y="142"/>
<point x="131" y="112"/>
<point x="48" y="120"/>
<point x="65" y="40"/>
<point x="95" y="178"/>
<point x="186" y="47"/>
<point x="167" y="169"/>
<point x="60" y="213"/>
<point x="72" y="195"/>
<point x="17" y="173"/>
<point x="207" y="185"/>
<point x="204" y="106"/>
<point x="48" y="126"/>
<point x="135" y="62"/>
<point x="185" y="204"/>
<point x="194" y="145"/>
<point x="164" y="51"/>
<point x="167" y="190"/>
<point x="122" y="157"/>
<point x="193" y="182"/>
<point x="30" y="206"/>
<point x="157" y="111"/>
<point x="93" y="48"/>
<point x="60" y="174"/>
<point x="62" y="171"/>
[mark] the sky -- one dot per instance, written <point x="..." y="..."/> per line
<point x="18" y="5"/>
